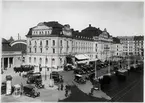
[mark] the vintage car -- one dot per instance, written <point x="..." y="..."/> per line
<point x="56" y="77"/>
<point x="35" y="77"/>
<point x="3" y="88"/>
<point x="28" y="74"/>
<point x="79" y="71"/>
<point x="30" y="91"/>
<point x="121" y="74"/>
<point x="79" y="79"/>
<point x="38" y="84"/>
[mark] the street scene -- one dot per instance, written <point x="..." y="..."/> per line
<point x="52" y="59"/>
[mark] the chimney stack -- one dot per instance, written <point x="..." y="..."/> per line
<point x="89" y="25"/>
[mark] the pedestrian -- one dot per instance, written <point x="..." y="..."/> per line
<point x="61" y="86"/>
<point x="92" y="91"/>
<point x="66" y="92"/>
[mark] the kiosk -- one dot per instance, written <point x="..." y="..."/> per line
<point x="8" y="85"/>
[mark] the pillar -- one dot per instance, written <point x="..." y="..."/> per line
<point x="2" y="61"/>
<point x="8" y="85"/>
<point x="8" y="63"/>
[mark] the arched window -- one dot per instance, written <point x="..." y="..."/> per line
<point x="60" y="42"/>
<point x="40" y="50"/>
<point x="29" y="59"/>
<point x="46" y="61"/>
<point x="53" y="42"/>
<point x="40" y="60"/>
<point x="40" y="43"/>
<point x="53" y="50"/>
<point x="53" y="61"/>
<point x="46" y="42"/>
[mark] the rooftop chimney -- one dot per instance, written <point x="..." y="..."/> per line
<point x="89" y="25"/>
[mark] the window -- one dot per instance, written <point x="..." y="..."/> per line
<point x="60" y="42"/>
<point x="53" y="50"/>
<point x="35" y="43"/>
<point x="53" y="42"/>
<point x="29" y="59"/>
<point x="40" y="43"/>
<point x="46" y="42"/>
<point x="35" y="50"/>
<point x="34" y="59"/>
<point x="40" y="60"/>
<point x="29" y="42"/>
<point x="46" y="48"/>
<point x="53" y="61"/>
<point x="46" y="61"/>
<point x="41" y="50"/>
<point x="30" y="50"/>
<point x="60" y="60"/>
<point x="67" y="43"/>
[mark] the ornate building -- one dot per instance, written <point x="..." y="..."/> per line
<point x="50" y="43"/>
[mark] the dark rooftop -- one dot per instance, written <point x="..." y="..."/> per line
<point x="17" y="47"/>
<point x="116" y="40"/>
<point x="91" y="31"/>
<point x="138" y="37"/>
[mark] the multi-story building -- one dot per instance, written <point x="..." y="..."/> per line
<point x="128" y="45"/>
<point x="117" y="49"/>
<point x="50" y="43"/>
<point x="138" y="45"/>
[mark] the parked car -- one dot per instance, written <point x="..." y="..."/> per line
<point x="56" y="77"/>
<point x="78" y="71"/>
<point x="30" y="91"/>
<point x="38" y="84"/>
<point x="29" y="73"/>
<point x="35" y="77"/>
<point x="3" y="88"/>
<point x="79" y="79"/>
<point x="121" y="74"/>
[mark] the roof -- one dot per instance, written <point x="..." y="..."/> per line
<point x="17" y="47"/>
<point x="116" y="40"/>
<point x="11" y="39"/>
<point x="91" y="31"/>
<point x="4" y="41"/>
<point x="138" y="37"/>
<point x="56" y="27"/>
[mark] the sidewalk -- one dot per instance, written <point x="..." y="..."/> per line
<point x="86" y="88"/>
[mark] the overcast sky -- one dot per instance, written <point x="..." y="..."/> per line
<point x="120" y="18"/>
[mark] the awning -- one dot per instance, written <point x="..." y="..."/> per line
<point x="93" y="60"/>
<point x="81" y="56"/>
<point x="84" y="61"/>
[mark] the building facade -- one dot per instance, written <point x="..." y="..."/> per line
<point x="128" y="45"/>
<point x="13" y="53"/>
<point x="49" y="43"/>
<point x="132" y="45"/>
<point x="139" y="45"/>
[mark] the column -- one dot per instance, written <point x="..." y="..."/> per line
<point x="8" y="63"/>
<point x="2" y="61"/>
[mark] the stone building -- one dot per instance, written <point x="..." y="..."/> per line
<point x="13" y="53"/>
<point x="50" y="43"/>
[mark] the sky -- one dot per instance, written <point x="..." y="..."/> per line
<point x="119" y="18"/>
